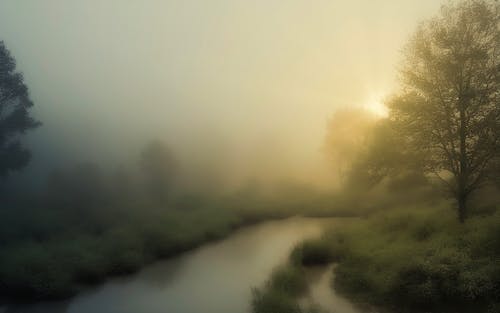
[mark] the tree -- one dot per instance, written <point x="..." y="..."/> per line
<point x="14" y="116"/>
<point x="159" y="167"/>
<point x="449" y="104"/>
<point x="346" y="136"/>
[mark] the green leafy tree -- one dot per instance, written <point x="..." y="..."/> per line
<point x="448" y="108"/>
<point x="14" y="115"/>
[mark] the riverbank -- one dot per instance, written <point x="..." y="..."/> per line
<point x="215" y="277"/>
<point x="66" y="261"/>
<point x="62" y="267"/>
<point x="421" y="257"/>
<point x="414" y="258"/>
<point x="288" y="288"/>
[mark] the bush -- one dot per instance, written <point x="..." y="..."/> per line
<point x="288" y="279"/>
<point x="312" y="252"/>
<point x="280" y="293"/>
<point x="32" y="271"/>
<point x="273" y="301"/>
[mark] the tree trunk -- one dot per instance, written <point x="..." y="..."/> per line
<point x="462" y="177"/>
<point x="462" y="207"/>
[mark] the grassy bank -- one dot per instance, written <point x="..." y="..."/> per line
<point x="52" y="253"/>
<point x="281" y="292"/>
<point x="288" y="283"/>
<point x="60" y="266"/>
<point x="415" y="258"/>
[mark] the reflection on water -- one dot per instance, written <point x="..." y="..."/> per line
<point x="215" y="278"/>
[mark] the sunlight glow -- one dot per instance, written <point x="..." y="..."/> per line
<point x="376" y="105"/>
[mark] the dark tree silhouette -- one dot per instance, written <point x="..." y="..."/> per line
<point x="449" y="107"/>
<point x="14" y="116"/>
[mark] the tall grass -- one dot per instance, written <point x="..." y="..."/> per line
<point x="281" y="292"/>
<point x="58" y="267"/>
<point x="420" y="257"/>
<point x="408" y="258"/>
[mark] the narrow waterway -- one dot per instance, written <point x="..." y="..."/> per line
<point x="215" y="278"/>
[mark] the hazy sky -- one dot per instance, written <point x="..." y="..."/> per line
<point x="238" y="83"/>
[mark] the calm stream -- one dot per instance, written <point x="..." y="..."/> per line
<point x="215" y="278"/>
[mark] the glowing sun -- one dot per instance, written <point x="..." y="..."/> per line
<point x="376" y="106"/>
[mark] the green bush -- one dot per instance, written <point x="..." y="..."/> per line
<point x="312" y="252"/>
<point x="273" y="301"/>
<point x="33" y="271"/>
<point x="288" y="279"/>
<point x="280" y="293"/>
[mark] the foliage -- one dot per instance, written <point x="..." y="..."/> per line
<point x="449" y="104"/>
<point x="384" y="157"/>
<point x="280" y="293"/>
<point x="419" y="257"/>
<point x="271" y="301"/>
<point x="312" y="252"/>
<point x="57" y="266"/>
<point x="14" y="114"/>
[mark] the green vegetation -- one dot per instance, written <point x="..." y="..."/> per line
<point x="414" y="257"/>
<point x="59" y="266"/>
<point x="15" y="105"/>
<point x="280" y="293"/>
<point x="312" y="252"/>
<point x="53" y="245"/>
<point x="420" y="257"/>
<point x="411" y="258"/>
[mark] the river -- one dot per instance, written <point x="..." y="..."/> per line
<point x="214" y="278"/>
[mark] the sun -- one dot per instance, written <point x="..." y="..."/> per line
<point x="377" y="107"/>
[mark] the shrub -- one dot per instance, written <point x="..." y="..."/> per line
<point x="29" y="271"/>
<point x="288" y="279"/>
<point x="312" y="252"/>
<point x="273" y="301"/>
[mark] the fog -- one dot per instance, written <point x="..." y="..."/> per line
<point x="238" y="90"/>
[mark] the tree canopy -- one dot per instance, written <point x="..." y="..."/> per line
<point x="14" y="114"/>
<point x="448" y="107"/>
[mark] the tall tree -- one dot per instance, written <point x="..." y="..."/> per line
<point x="14" y="116"/>
<point x="449" y="104"/>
